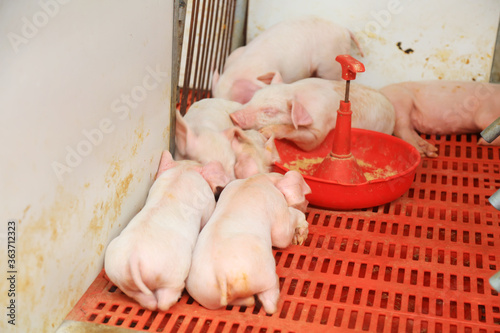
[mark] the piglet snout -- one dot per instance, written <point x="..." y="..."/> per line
<point x="243" y="119"/>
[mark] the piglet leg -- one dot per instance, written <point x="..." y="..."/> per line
<point x="404" y="106"/>
<point x="167" y="297"/>
<point x="405" y="131"/>
<point x="269" y="298"/>
<point x="411" y="136"/>
<point x="301" y="232"/>
<point x="146" y="301"/>
<point x="483" y="142"/>
<point x="295" y="227"/>
<point x="305" y="138"/>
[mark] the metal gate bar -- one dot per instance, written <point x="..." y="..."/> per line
<point x="210" y="34"/>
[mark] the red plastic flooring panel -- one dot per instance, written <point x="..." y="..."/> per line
<point x="418" y="264"/>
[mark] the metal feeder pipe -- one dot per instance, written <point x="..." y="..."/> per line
<point x="491" y="132"/>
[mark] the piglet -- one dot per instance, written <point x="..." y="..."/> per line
<point x="442" y="107"/>
<point x="150" y="259"/>
<point x="206" y="133"/>
<point x="289" y="51"/>
<point x="233" y="259"/>
<point x="305" y="111"/>
<point x="254" y="154"/>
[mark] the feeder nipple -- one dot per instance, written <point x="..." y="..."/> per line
<point x="350" y="66"/>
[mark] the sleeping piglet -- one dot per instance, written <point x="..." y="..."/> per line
<point x="442" y="107"/>
<point x="290" y="50"/>
<point x="233" y="259"/>
<point x="305" y="111"/>
<point x="206" y="133"/>
<point x="150" y="259"/>
<point x="254" y="154"/>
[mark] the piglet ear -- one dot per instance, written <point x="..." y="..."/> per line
<point x="214" y="174"/>
<point x="236" y="136"/>
<point x="243" y="90"/>
<point x="271" y="78"/>
<point x="166" y="162"/>
<point x="277" y="78"/>
<point x="294" y="188"/>
<point x="183" y="134"/>
<point x="300" y="116"/>
<point x="272" y="154"/>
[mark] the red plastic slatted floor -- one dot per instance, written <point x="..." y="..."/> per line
<point x="418" y="264"/>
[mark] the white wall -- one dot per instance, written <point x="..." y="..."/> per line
<point x="84" y="109"/>
<point x="450" y="39"/>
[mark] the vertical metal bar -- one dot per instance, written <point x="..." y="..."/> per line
<point x="177" y="38"/>
<point x="201" y="93"/>
<point x="187" y="65"/>
<point x="227" y="33"/>
<point x="223" y="33"/>
<point x="189" y="56"/>
<point x="218" y="46"/>
<point x="211" y="49"/>
<point x="239" y="27"/>
<point x="230" y="28"/>
<point x="210" y="52"/>
<point x="210" y="38"/>
<point x="199" y="50"/>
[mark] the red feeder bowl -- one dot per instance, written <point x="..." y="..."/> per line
<point x="352" y="168"/>
<point x="389" y="164"/>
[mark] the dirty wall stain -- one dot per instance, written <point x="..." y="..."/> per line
<point x="40" y="257"/>
<point x="444" y="65"/>
<point x="139" y="136"/>
<point x="50" y="252"/>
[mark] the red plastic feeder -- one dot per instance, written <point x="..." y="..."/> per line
<point x="352" y="168"/>
<point x="341" y="165"/>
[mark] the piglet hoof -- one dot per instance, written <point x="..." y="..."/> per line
<point x="427" y="149"/>
<point x="301" y="232"/>
<point x="483" y="142"/>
